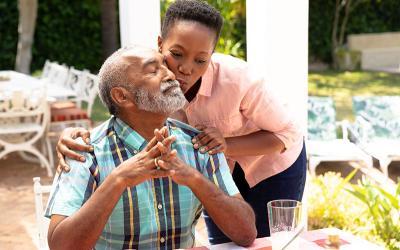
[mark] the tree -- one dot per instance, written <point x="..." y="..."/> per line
<point x="26" y="30"/>
<point x="108" y="27"/>
<point x="340" y="18"/>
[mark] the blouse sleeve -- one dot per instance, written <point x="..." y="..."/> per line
<point x="263" y="108"/>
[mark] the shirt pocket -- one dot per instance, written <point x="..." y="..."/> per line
<point x="230" y="126"/>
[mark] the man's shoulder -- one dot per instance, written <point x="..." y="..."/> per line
<point x="185" y="128"/>
<point x="99" y="133"/>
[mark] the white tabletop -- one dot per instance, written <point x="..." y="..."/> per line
<point x="19" y="81"/>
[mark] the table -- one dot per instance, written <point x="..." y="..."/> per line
<point x="311" y="240"/>
<point x="19" y="81"/>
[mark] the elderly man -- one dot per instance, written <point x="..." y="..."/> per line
<point x="144" y="185"/>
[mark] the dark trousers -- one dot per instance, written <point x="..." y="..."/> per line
<point x="288" y="184"/>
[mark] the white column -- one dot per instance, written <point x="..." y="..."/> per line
<point x="139" y="22"/>
<point x="277" y="46"/>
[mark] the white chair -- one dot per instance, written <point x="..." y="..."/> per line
<point x="88" y="92"/>
<point x="46" y="69"/>
<point x="24" y="118"/>
<point x="323" y="143"/>
<point x="377" y="128"/>
<point x="42" y="223"/>
<point x="75" y="80"/>
<point x="66" y="114"/>
<point x="57" y="74"/>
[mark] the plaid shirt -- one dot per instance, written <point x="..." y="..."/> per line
<point x="157" y="214"/>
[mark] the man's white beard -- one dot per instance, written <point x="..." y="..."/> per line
<point x="161" y="103"/>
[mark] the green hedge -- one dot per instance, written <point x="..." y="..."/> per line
<point x="371" y="16"/>
<point x="66" y="31"/>
<point x="8" y="33"/>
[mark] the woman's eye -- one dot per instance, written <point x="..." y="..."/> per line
<point x="176" y="54"/>
<point x="199" y="61"/>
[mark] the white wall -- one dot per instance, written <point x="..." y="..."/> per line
<point x="140" y="22"/>
<point x="277" y="46"/>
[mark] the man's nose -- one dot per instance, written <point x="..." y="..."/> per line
<point x="169" y="75"/>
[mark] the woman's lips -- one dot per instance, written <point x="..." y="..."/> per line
<point x="182" y="83"/>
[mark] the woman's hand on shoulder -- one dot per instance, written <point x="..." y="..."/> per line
<point x="209" y="140"/>
<point x="67" y="144"/>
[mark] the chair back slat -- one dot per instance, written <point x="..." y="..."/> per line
<point x="382" y="113"/>
<point x="89" y="91"/>
<point x="42" y="223"/>
<point x="321" y="118"/>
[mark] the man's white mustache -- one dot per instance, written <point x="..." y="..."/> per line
<point x="168" y="84"/>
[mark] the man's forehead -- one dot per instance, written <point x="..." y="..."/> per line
<point x="141" y="54"/>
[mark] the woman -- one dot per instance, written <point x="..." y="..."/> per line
<point x="233" y="107"/>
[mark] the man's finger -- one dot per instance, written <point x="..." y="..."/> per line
<point x="158" y="134"/>
<point x="160" y="173"/>
<point x="162" y="148"/>
<point x="164" y="131"/>
<point x="154" y="152"/>
<point x="151" y="144"/>
<point x="169" y="140"/>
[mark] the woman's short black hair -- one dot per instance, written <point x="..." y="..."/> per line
<point x="192" y="10"/>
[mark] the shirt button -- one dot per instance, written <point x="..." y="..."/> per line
<point x="173" y="127"/>
<point x="159" y="206"/>
<point x="135" y="151"/>
<point x="162" y="240"/>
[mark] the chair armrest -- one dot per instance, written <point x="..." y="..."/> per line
<point x="345" y="125"/>
<point x="359" y="129"/>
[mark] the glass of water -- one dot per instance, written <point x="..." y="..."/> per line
<point x="284" y="217"/>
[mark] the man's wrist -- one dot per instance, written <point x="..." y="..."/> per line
<point x="117" y="179"/>
<point x="196" y="180"/>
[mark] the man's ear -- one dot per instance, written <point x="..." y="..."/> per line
<point x="159" y="42"/>
<point x="121" y="97"/>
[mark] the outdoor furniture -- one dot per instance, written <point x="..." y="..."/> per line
<point x="377" y="127"/>
<point x="77" y="111"/>
<point x="24" y="118"/>
<point x="75" y="80"/>
<point x="323" y="143"/>
<point x="42" y="223"/>
<point x="46" y="69"/>
<point x="55" y="74"/>
<point x="17" y="81"/>
<point x="26" y="86"/>
<point x="310" y="240"/>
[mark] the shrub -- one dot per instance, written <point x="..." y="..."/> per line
<point x="384" y="208"/>
<point x="330" y="205"/>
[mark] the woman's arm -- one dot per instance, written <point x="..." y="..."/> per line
<point x="257" y="143"/>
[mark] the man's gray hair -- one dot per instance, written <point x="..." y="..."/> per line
<point x="113" y="73"/>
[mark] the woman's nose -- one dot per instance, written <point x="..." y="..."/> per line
<point x="185" y="70"/>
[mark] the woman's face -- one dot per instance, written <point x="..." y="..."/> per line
<point x="188" y="47"/>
